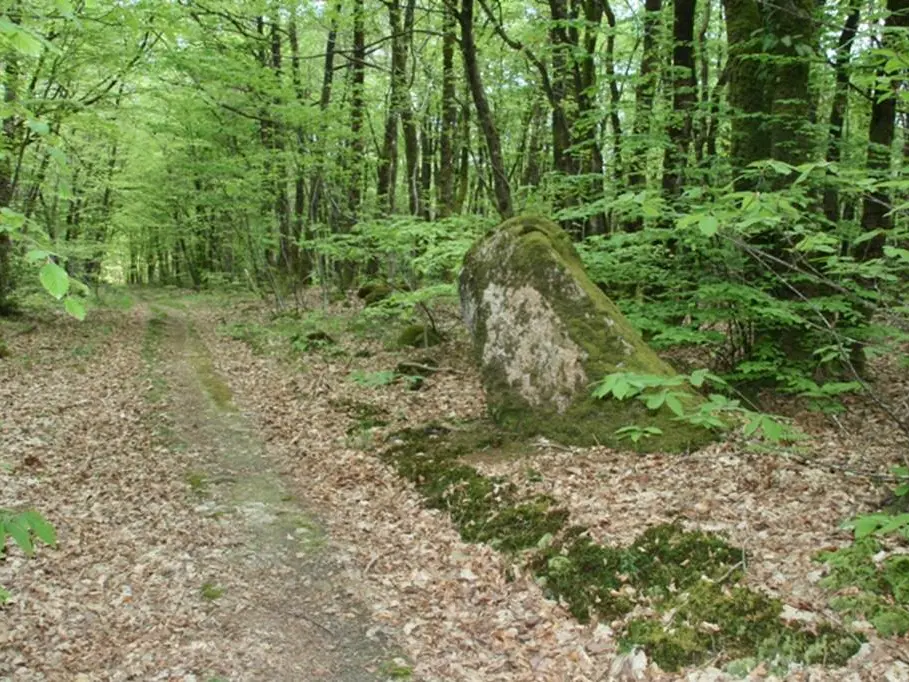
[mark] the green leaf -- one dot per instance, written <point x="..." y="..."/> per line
<point x="75" y="308"/>
<point x="39" y="127"/>
<point x="40" y="527"/>
<point x="655" y="401"/>
<point x="11" y="218"/>
<point x="25" y="43"/>
<point x="895" y="523"/>
<point x="697" y="377"/>
<point x="779" y="167"/>
<point x="752" y="426"/>
<point x="674" y="404"/>
<point x="621" y="389"/>
<point x="18" y="531"/>
<point x="866" y="525"/>
<point x="54" y="279"/>
<point x="773" y="430"/>
<point x="709" y="225"/>
<point x="4" y="596"/>
<point x="36" y="255"/>
<point x="893" y="252"/>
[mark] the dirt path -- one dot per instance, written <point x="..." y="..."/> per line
<point x="183" y="555"/>
<point x="295" y="610"/>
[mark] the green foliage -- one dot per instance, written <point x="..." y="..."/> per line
<point x="23" y="528"/>
<point x="873" y="579"/>
<point x="674" y="392"/>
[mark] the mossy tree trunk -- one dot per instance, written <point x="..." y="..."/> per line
<point x="445" y="179"/>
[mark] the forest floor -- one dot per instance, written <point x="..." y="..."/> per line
<point x="222" y="513"/>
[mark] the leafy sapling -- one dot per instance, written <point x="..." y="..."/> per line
<point x="674" y="393"/>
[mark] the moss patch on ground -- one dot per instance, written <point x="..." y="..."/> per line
<point x="686" y="582"/>
<point x="870" y="588"/>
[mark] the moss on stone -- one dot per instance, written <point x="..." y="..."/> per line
<point x="533" y="254"/>
<point x="373" y="293"/>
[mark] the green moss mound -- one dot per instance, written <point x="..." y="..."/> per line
<point x="419" y="336"/>
<point x="686" y="579"/>
<point x="371" y="294"/>
<point x="869" y="588"/>
<point x="533" y="254"/>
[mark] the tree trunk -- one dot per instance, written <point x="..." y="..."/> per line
<point x="747" y="88"/>
<point x="427" y="153"/>
<point x="615" y="97"/>
<point x="643" y="96"/>
<point x="9" y="132"/>
<point x="328" y="70"/>
<point x="838" y="109"/>
<point x="502" y="190"/>
<point x="684" y="95"/>
<point x="792" y="23"/>
<point x="288" y="245"/>
<point x="357" y="112"/>
<point x="445" y="181"/>
<point x="881" y="129"/>
<point x="388" y="159"/>
<point x="299" y="232"/>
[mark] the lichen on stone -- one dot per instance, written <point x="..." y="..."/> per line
<point x="544" y="333"/>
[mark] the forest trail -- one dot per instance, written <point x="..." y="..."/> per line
<point x="298" y="614"/>
<point x="183" y="553"/>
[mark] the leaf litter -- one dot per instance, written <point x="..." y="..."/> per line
<point x="458" y="611"/>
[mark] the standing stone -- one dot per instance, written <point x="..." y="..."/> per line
<point x="544" y="333"/>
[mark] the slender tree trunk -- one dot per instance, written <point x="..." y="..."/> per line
<point x="875" y="211"/>
<point x="427" y="154"/>
<point x="357" y="112"/>
<point x="288" y="245"/>
<point x="445" y="181"/>
<point x="838" y="109"/>
<point x="299" y="231"/>
<point x="644" y="93"/>
<point x="387" y="167"/>
<point x="7" y="144"/>
<point x="464" y="160"/>
<point x="328" y="70"/>
<point x="684" y="96"/>
<point x="502" y="190"/>
<point x="615" y="97"/>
